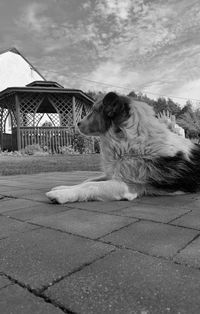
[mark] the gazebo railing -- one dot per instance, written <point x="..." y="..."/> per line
<point x="54" y="139"/>
<point x="48" y="138"/>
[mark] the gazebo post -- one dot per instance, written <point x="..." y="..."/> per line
<point x="2" y="128"/>
<point x="17" y="104"/>
<point x="74" y="111"/>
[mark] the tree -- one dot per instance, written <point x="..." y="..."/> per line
<point x="132" y="94"/>
<point x="190" y="121"/>
<point x="95" y="94"/>
<point x="159" y="105"/>
<point x="186" y="108"/>
<point x="47" y="124"/>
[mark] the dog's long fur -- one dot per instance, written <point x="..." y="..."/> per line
<point x="140" y="155"/>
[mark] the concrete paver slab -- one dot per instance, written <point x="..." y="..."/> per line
<point x="11" y="204"/>
<point x="191" y="220"/>
<point x="152" y="212"/>
<point x="37" y="196"/>
<point x="105" y="207"/>
<point x="43" y="256"/>
<point x="9" y="227"/>
<point x="16" y="300"/>
<point x="8" y="189"/>
<point x="152" y="238"/>
<point x="20" y="192"/>
<point x="188" y="201"/>
<point x="130" y="282"/>
<point x="38" y="210"/>
<point x="190" y="255"/>
<point x="29" y="194"/>
<point x="4" y="282"/>
<point x="84" y="223"/>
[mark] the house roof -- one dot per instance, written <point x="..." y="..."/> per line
<point x="14" y="50"/>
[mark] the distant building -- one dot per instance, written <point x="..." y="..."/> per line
<point x="170" y="121"/>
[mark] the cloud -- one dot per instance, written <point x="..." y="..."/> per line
<point x="138" y="44"/>
<point x="33" y="18"/>
<point x="121" y="9"/>
<point x="152" y="46"/>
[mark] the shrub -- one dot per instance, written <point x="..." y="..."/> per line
<point x="41" y="154"/>
<point x="96" y="145"/>
<point x="85" y="145"/>
<point x="32" y="149"/>
<point x="11" y="153"/>
<point x="69" y="150"/>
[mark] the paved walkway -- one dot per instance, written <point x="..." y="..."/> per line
<point x="118" y="257"/>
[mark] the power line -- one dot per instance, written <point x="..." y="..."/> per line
<point x="128" y="88"/>
<point x="116" y="86"/>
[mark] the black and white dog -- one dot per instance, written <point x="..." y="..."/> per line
<point x="140" y="155"/>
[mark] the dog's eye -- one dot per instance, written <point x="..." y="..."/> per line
<point x="117" y="130"/>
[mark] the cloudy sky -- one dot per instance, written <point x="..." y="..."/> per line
<point x="152" y="46"/>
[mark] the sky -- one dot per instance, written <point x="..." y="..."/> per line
<point x="149" y="46"/>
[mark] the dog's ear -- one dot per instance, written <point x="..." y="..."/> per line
<point x="112" y="105"/>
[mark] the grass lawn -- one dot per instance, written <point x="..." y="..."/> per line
<point x="11" y="165"/>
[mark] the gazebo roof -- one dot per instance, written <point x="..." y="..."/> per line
<point x="45" y="84"/>
<point x="45" y="87"/>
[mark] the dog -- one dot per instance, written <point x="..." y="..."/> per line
<point x="140" y="155"/>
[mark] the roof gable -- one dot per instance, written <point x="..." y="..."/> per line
<point x="16" y="70"/>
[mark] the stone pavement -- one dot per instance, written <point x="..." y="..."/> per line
<point x="114" y="257"/>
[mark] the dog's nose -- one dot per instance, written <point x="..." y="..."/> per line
<point x="78" y="124"/>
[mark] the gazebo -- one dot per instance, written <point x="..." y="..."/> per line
<point x="26" y="108"/>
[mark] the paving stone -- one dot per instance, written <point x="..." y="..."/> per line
<point x="20" y="192"/>
<point x="4" y="282"/>
<point x="88" y="224"/>
<point x="16" y="300"/>
<point x="4" y="198"/>
<point x="39" y="210"/>
<point x="11" y="204"/>
<point x="130" y="282"/>
<point x="12" y="183"/>
<point x="38" y="196"/>
<point x="105" y="207"/>
<point x="43" y="255"/>
<point x="152" y="212"/>
<point x="195" y="205"/>
<point x="34" y="196"/>
<point x="190" y="255"/>
<point x="152" y="238"/>
<point x="188" y="201"/>
<point x="191" y="220"/>
<point x="29" y="194"/>
<point x="8" y="189"/>
<point x="9" y="227"/>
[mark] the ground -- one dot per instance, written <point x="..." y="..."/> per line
<point x="115" y="257"/>
<point x="25" y="164"/>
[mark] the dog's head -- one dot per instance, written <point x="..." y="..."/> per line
<point x="111" y="111"/>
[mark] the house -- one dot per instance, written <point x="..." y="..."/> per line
<point x="16" y="70"/>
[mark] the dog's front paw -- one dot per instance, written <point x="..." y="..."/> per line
<point x="130" y="196"/>
<point x="61" y="196"/>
